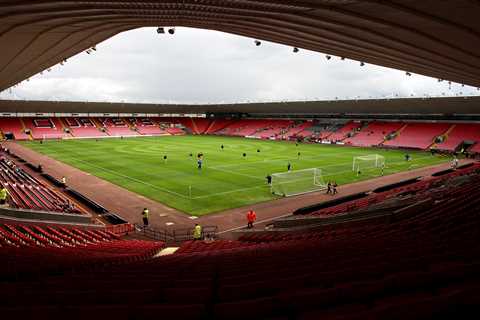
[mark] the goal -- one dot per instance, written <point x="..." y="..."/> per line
<point x="297" y="182"/>
<point x="369" y="161"/>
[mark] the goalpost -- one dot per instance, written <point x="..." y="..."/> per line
<point x="297" y="182"/>
<point x="369" y="161"/>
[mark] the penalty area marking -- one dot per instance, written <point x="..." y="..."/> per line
<point x="134" y="179"/>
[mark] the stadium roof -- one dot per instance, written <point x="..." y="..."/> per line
<point x="430" y="37"/>
<point x="411" y="106"/>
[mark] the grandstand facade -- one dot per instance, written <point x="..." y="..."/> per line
<point x="444" y="124"/>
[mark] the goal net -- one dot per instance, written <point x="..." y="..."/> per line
<point x="297" y="182"/>
<point x="369" y="161"/>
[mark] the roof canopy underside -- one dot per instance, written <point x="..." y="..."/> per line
<point x="435" y="38"/>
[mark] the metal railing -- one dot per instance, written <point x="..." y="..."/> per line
<point x="175" y="236"/>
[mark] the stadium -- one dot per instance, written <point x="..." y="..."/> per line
<point x="322" y="209"/>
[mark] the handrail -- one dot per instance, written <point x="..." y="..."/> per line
<point x="177" y="235"/>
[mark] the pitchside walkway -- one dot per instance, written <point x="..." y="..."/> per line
<point x="129" y="205"/>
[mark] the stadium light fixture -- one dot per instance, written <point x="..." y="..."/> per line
<point x="94" y="48"/>
<point x="88" y="51"/>
<point x="362" y="64"/>
<point x="342" y="58"/>
<point x="257" y="42"/>
<point x="160" y="30"/>
<point x="328" y="57"/>
<point x="171" y="30"/>
<point x="295" y="50"/>
<point x="408" y="74"/>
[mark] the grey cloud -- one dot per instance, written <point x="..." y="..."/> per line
<point x="200" y="66"/>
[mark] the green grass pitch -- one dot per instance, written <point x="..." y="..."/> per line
<point x="228" y="180"/>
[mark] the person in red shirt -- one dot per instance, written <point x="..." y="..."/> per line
<point x="251" y="217"/>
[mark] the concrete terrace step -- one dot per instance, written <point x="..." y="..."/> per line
<point x="166" y="251"/>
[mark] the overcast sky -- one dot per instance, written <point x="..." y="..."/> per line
<point x="200" y="66"/>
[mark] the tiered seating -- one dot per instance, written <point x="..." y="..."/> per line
<point x="296" y="130"/>
<point x="31" y="249"/>
<point x="342" y="133"/>
<point x="217" y="125"/>
<point x="418" y="135"/>
<point x="200" y="125"/>
<point x="233" y="127"/>
<point x="84" y="128"/>
<point x="201" y="246"/>
<point x="460" y="132"/>
<point x="20" y="235"/>
<point x="419" y="190"/>
<point x="475" y="148"/>
<point x="14" y="126"/>
<point x="147" y="126"/>
<point x="117" y="127"/>
<point x="246" y="128"/>
<point x="373" y="134"/>
<point x="48" y="128"/>
<point x="422" y="266"/>
<point x="274" y="128"/>
<point x="29" y="193"/>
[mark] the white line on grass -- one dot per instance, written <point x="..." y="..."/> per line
<point x="136" y="180"/>
<point x="133" y="179"/>
<point x="234" y="172"/>
<point x="227" y="192"/>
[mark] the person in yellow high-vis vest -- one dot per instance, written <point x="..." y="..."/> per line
<point x="3" y="195"/>
<point x="197" y="232"/>
<point x="145" y="215"/>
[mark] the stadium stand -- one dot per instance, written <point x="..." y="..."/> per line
<point x="373" y="134"/>
<point x="217" y="125"/>
<point x="273" y="129"/>
<point x="420" y="265"/>
<point x="376" y="133"/>
<point x="244" y="128"/>
<point x="418" y="135"/>
<point x="461" y="132"/>
<point x="147" y="126"/>
<point x="295" y="130"/>
<point x="344" y="132"/>
<point x="117" y="127"/>
<point x="200" y="125"/>
<point x="45" y="128"/>
<point x="84" y="128"/>
<point x="57" y="248"/>
<point x="27" y="192"/>
<point x="14" y="126"/>
<point x="405" y="195"/>
<point x="20" y="235"/>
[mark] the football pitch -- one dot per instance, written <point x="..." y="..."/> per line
<point x="228" y="179"/>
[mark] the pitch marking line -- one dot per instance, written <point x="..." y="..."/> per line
<point x="228" y="171"/>
<point x="134" y="179"/>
